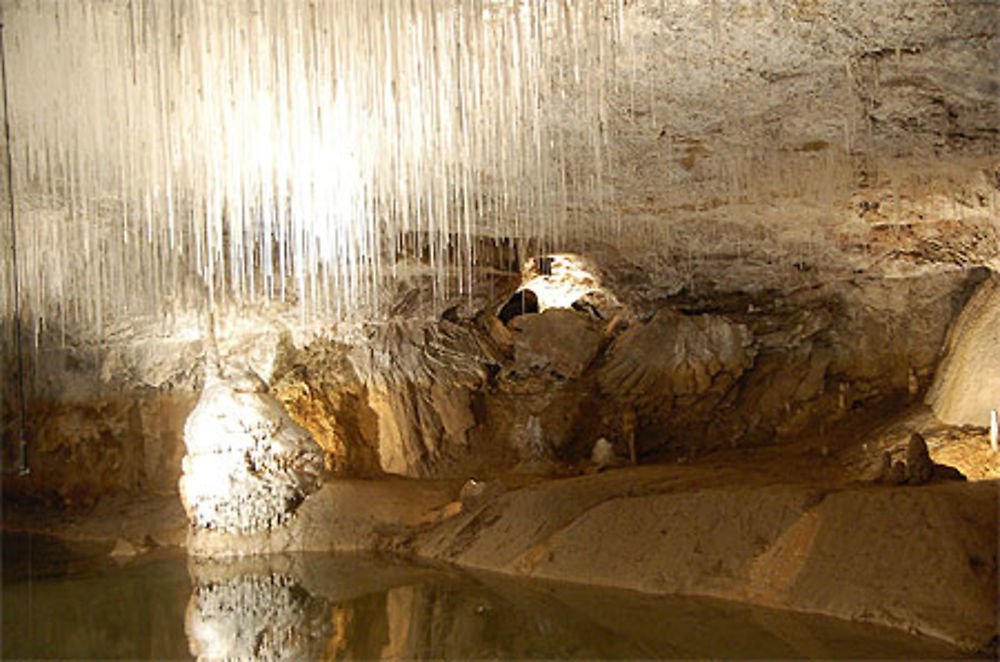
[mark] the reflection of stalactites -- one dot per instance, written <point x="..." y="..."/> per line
<point x="265" y="616"/>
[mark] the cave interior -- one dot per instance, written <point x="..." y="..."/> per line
<point x="688" y="298"/>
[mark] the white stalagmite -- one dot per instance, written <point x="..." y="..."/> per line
<point x="248" y="465"/>
<point x="259" y="150"/>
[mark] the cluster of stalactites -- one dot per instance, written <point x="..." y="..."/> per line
<point x="175" y="154"/>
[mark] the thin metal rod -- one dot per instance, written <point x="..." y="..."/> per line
<point x="22" y="464"/>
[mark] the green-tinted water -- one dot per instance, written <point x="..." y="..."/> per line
<point x="312" y="606"/>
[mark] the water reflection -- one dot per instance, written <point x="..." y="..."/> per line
<point x="361" y="607"/>
<point x="346" y="607"/>
<point x="266" y="616"/>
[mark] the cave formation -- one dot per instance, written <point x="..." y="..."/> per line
<point x="691" y="298"/>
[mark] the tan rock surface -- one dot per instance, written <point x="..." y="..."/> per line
<point x="967" y="383"/>
<point x="921" y="559"/>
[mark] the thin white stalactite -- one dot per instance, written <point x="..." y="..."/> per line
<point x="295" y="151"/>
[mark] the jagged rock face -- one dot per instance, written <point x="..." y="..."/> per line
<point x="967" y="384"/>
<point x="248" y="464"/>
<point x="673" y="356"/>
<point x="420" y="380"/>
<point x="323" y="393"/>
<point x="470" y="397"/>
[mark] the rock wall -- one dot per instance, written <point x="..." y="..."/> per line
<point x="692" y="373"/>
<point x="109" y="420"/>
<point x="792" y="195"/>
<point x="82" y="450"/>
<point x="453" y="391"/>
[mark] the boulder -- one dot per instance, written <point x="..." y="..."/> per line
<point x="676" y="355"/>
<point x="557" y="341"/>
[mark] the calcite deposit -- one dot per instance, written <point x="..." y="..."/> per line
<point x="248" y="465"/>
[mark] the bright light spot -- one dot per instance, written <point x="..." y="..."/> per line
<point x="560" y="279"/>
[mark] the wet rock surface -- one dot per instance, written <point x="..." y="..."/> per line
<point x="557" y="342"/>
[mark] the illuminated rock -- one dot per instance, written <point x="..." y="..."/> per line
<point x="967" y="384"/>
<point x="248" y="464"/>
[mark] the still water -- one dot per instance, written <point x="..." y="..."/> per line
<point x="58" y="603"/>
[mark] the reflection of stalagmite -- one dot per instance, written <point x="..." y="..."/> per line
<point x="258" y="615"/>
<point x="338" y="645"/>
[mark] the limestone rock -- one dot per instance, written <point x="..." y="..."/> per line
<point x="673" y="354"/>
<point x="534" y="449"/>
<point x="248" y="464"/>
<point x="967" y="383"/>
<point x="945" y="472"/>
<point x="885" y="466"/>
<point x="419" y="379"/>
<point x="897" y="475"/>
<point x="920" y="467"/>
<point x="891" y="473"/>
<point x="531" y="444"/>
<point x="559" y="341"/>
